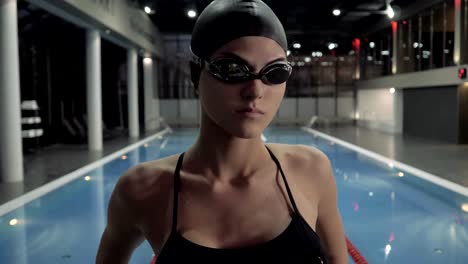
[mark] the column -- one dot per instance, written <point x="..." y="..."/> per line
<point x="132" y="86"/>
<point x="157" y="112"/>
<point x="94" y="90"/>
<point x="461" y="57"/>
<point x="463" y="113"/>
<point x="461" y="30"/>
<point x="11" y="156"/>
<point x="464" y="36"/>
<point x="395" y="48"/>
<point x="150" y="115"/>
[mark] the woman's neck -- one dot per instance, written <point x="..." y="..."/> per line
<point x="225" y="157"/>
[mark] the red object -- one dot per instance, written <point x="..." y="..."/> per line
<point x="354" y="253"/>
<point x="394" y="26"/>
<point x="462" y="73"/>
<point x="404" y="22"/>
<point x="458" y="4"/>
<point x="153" y="261"/>
<point x="357" y="45"/>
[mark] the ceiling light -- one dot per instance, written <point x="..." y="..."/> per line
<point x="390" y="12"/>
<point x="317" y="54"/>
<point x="331" y="46"/>
<point x="372" y="45"/>
<point x="147" y="60"/>
<point x="191" y="13"/>
<point x="307" y="59"/>
<point x="392" y="90"/>
<point x="148" y="10"/>
<point x="336" y="12"/>
<point x="297" y="45"/>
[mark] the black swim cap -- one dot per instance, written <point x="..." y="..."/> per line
<point x="225" y="20"/>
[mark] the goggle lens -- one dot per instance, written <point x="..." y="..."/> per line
<point x="233" y="71"/>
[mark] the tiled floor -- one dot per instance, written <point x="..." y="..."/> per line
<point x="449" y="161"/>
<point x="52" y="162"/>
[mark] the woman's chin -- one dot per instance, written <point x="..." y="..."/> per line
<point x="247" y="132"/>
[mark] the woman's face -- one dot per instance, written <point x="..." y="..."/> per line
<point x="221" y="102"/>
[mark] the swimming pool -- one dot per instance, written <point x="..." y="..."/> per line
<point x="390" y="215"/>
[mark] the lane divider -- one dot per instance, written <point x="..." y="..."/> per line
<point x="61" y="181"/>
<point x="354" y="253"/>
<point x="435" y="179"/>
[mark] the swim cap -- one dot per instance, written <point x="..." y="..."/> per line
<point x="225" y="20"/>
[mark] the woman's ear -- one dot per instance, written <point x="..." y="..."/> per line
<point x="195" y="71"/>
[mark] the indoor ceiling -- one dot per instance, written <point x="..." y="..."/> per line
<point x="310" y="22"/>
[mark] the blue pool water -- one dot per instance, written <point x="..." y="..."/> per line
<point x="390" y="219"/>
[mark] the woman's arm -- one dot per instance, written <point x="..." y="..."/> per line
<point x="329" y="224"/>
<point x="121" y="235"/>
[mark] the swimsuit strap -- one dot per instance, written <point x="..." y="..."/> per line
<point x="176" y="192"/>
<point x="291" y="198"/>
<point x="177" y="187"/>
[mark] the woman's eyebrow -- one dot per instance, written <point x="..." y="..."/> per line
<point x="230" y="54"/>
<point x="278" y="59"/>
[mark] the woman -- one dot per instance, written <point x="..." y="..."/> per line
<point x="230" y="198"/>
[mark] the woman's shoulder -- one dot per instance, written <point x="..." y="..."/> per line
<point x="298" y="153"/>
<point x="148" y="181"/>
<point x="308" y="163"/>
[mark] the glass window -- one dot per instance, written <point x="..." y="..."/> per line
<point x="440" y="28"/>
<point x="405" y="46"/>
<point x="376" y="55"/>
<point x="450" y="33"/>
<point x="424" y="51"/>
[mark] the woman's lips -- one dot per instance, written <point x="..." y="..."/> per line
<point x="252" y="113"/>
<point x="251" y="110"/>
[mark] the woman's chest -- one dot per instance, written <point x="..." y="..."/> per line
<point x="233" y="217"/>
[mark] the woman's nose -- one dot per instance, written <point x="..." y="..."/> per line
<point x="253" y="89"/>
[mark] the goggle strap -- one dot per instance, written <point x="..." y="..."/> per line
<point x="197" y="60"/>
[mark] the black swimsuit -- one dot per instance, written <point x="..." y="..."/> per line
<point x="298" y="243"/>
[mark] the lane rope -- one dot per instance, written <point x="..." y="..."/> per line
<point x="354" y="253"/>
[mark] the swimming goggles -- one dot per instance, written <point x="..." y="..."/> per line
<point x="235" y="70"/>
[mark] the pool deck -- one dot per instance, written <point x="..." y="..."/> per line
<point x="52" y="162"/>
<point x="446" y="160"/>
